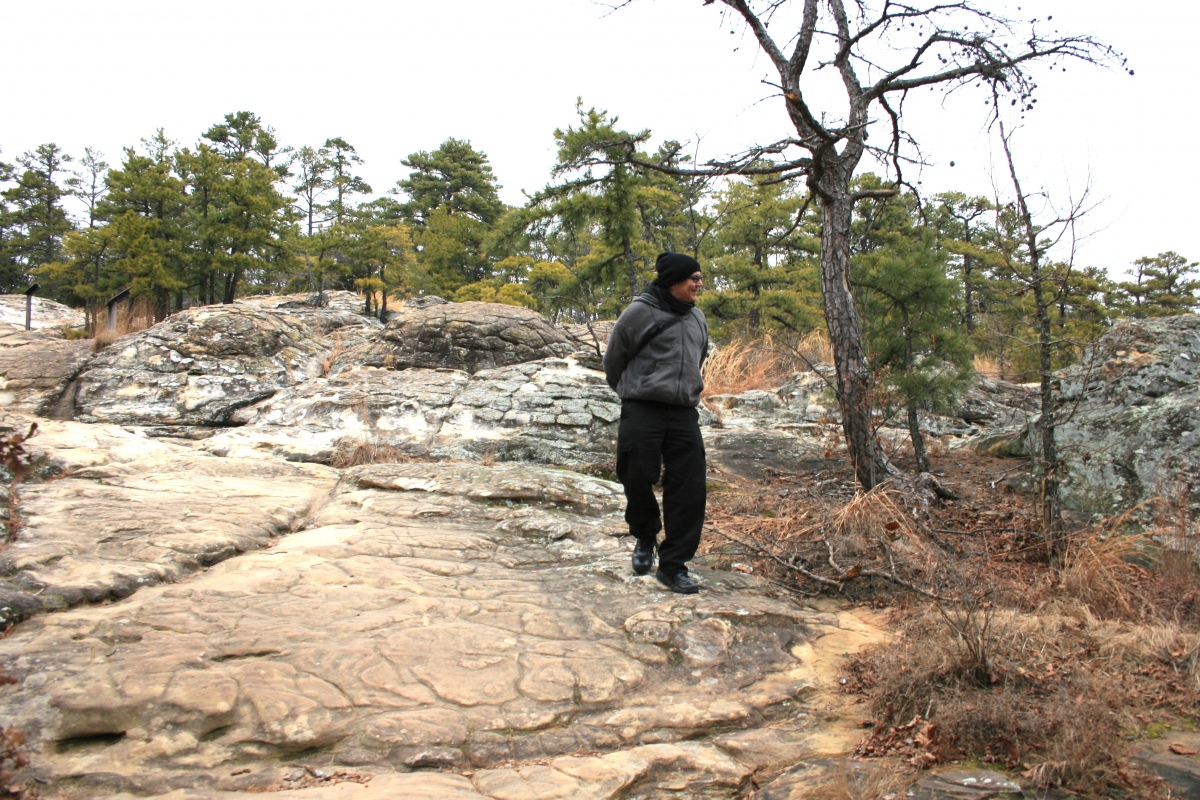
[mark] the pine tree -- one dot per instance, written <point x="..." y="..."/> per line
<point x="452" y="204"/>
<point x="36" y="218"/>
<point x="1162" y="285"/>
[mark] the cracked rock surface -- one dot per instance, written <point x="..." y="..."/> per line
<point x="37" y="367"/>
<point x="406" y="630"/>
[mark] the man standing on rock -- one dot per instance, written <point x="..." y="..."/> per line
<point x="653" y="363"/>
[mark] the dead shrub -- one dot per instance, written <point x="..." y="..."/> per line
<point x="871" y="536"/>
<point x="1057" y="695"/>
<point x="13" y="759"/>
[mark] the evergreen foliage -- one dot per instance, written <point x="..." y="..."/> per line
<point x="238" y="213"/>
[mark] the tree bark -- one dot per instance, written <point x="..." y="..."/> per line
<point x="870" y="463"/>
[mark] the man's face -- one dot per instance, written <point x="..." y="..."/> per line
<point x="687" y="289"/>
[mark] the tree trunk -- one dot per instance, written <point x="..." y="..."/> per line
<point x="231" y="282"/>
<point x="914" y="421"/>
<point x="918" y="441"/>
<point x="968" y="295"/>
<point x="631" y="267"/>
<point x="871" y="465"/>
<point x="1052" y="523"/>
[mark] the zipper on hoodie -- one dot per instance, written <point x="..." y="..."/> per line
<point x="682" y="359"/>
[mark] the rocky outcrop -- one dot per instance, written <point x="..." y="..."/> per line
<point x="198" y="367"/>
<point x="465" y="336"/>
<point x="338" y="315"/>
<point x="44" y="313"/>
<point x="1130" y="426"/>
<point x="551" y="412"/>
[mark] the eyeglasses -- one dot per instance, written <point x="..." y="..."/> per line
<point x="696" y="278"/>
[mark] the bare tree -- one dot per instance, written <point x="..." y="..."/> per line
<point x="880" y="51"/>
<point x="1026" y="236"/>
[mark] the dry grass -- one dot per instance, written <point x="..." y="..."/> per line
<point x="365" y="452"/>
<point x="131" y="318"/>
<point x="1096" y="569"/>
<point x="1120" y="569"/>
<point x="856" y="780"/>
<point x="814" y="348"/>
<point x="871" y="518"/>
<point x="762" y="363"/>
<point x="1055" y="673"/>
<point x="327" y="361"/>
<point x="1178" y="539"/>
<point x="988" y="367"/>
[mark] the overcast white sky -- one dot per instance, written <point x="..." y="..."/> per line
<point x="396" y="76"/>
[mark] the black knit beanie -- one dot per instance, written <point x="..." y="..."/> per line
<point x="673" y="268"/>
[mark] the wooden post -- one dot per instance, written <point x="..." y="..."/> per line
<point x="112" y="308"/>
<point x="29" y="305"/>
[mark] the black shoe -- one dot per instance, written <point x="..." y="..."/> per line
<point x="680" y="582"/>
<point x="643" y="556"/>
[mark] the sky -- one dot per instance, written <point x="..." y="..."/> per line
<point x="393" y="77"/>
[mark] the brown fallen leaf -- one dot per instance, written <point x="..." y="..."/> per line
<point x="1182" y="749"/>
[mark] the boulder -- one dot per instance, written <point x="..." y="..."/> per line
<point x="465" y="336"/>
<point x="198" y="367"/>
<point x="1130" y="426"/>
<point x="591" y="336"/>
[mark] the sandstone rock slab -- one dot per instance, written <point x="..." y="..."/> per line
<point x="463" y="618"/>
<point x="106" y="527"/>
<point x="36" y="369"/>
<point x="553" y="412"/>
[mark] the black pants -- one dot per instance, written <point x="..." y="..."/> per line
<point x="658" y="439"/>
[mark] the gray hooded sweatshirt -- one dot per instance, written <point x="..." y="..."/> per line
<point x="666" y="369"/>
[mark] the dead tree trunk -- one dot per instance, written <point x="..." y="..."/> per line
<point x="1044" y="298"/>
